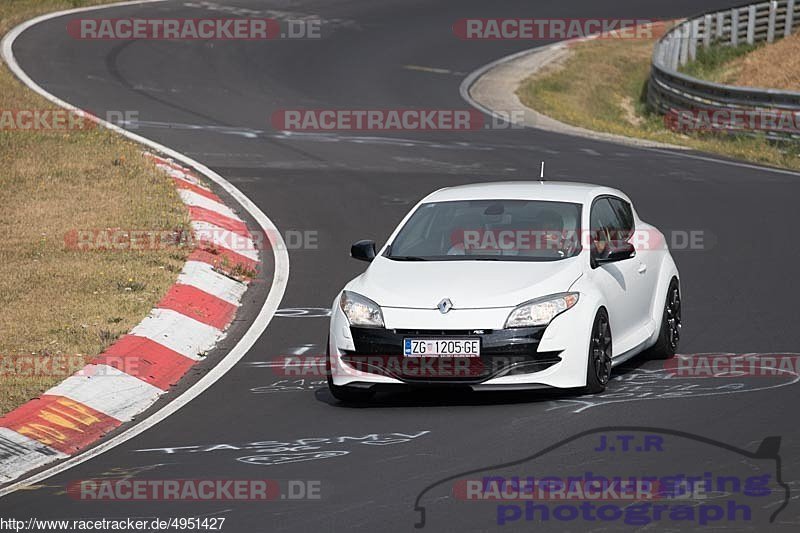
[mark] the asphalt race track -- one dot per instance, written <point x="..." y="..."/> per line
<point x="213" y="102"/>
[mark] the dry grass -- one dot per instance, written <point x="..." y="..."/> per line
<point x="776" y="66"/>
<point x="54" y="300"/>
<point x="602" y="86"/>
<point x="718" y="63"/>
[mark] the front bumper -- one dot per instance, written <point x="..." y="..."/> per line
<point x="555" y="356"/>
<point x="503" y="352"/>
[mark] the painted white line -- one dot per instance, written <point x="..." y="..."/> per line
<point x="276" y="364"/>
<point x="433" y="70"/>
<point x="276" y="291"/>
<point x="725" y="162"/>
<point x="194" y="199"/>
<point x="178" y="332"/>
<point x="24" y="454"/>
<point x="225" y="238"/>
<point x="300" y="350"/>
<point x="108" y="390"/>
<point x="204" y="277"/>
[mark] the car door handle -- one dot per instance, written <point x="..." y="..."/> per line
<point x="642" y="268"/>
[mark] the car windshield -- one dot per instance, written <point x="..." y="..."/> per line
<point x="490" y="230"/>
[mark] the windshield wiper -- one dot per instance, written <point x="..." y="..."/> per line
<point x="406" y="258"/>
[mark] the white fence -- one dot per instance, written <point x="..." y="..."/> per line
<point x="672" y="92"/>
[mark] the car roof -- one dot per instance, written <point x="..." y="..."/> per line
<point x="554" y="191"/>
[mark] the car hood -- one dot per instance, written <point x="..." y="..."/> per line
<point x="468" y="284"/>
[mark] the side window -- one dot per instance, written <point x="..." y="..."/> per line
<point x="624" y="214"/>
<point x="603" y="219"/>
<point x="604" y="224"/>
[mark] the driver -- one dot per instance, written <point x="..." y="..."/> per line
<point x="548" y="233"/>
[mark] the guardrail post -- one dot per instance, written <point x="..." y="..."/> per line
<point x="693" y="39"/>
<point x="670" y="90"/>
<point x="675" y="58"/>
<point x="773" y="9"/>
<point x="684" y="56"/>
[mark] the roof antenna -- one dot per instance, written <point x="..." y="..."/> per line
<point x="541" y="174"/>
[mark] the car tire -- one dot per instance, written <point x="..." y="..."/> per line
<point x="598" y="370"/>
<point x="343" y="393"/>
<point x="670" y="333"/>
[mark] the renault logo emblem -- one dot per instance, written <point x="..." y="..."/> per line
<point x="445" y="306"/>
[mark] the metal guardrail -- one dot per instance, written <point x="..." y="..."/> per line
<point x="675" y="94"/>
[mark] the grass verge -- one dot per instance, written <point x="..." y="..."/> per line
<point x="718" y="63"/>
<point x="602" y="86"/>
<point x="776" y="66"/>
<point x="56" y="302"/>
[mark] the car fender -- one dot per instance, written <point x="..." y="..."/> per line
<point x="667" y="271"/>
<point x="570" y="332"/>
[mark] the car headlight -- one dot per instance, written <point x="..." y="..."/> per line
<point x="360" y="310"/>
<point x="541" y="311"/>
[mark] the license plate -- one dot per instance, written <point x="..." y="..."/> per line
<point x="442" y="347"/>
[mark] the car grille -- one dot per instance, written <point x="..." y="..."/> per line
<point x="503" y="352"/>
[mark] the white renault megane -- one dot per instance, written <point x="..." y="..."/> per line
<point x="517" y="285"/>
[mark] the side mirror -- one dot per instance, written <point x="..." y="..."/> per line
<point x="363" y="251"/>
<point x="613" y="253"/>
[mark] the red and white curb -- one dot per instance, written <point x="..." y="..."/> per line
<point x="129" y="376"/>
